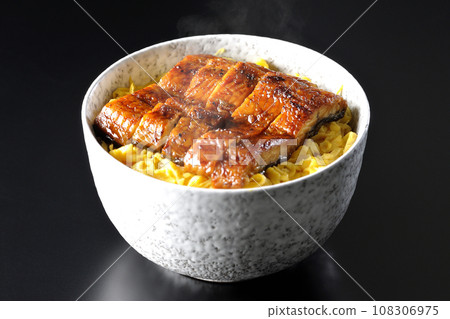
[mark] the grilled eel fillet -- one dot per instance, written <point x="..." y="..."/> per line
<point x="154" y="130"/>
<point x="197" y="120"/>
<point x="218" y="94"/>
<point x="235" y="86"/>
<point x="119" y="119"/>
<point x="275" y="119"/>
<point x="247" y="117"/>
<point x="177" y="81"/>
<point x="209" y="88"/>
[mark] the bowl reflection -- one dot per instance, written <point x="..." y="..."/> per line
<point x="135" y="278"/>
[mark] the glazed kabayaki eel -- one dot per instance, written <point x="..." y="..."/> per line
<point x="220" y="118"/>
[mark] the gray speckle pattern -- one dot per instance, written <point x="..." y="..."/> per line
<point x="225" y="235"/>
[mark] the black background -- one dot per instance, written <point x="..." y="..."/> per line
<point x="55" y="238"/>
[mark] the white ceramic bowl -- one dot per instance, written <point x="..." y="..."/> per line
<point x="219" y="234"/>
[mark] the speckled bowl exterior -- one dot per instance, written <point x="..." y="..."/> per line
<point x="215" y="234"/>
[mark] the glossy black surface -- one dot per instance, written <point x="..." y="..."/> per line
<point x="55" y="238"/>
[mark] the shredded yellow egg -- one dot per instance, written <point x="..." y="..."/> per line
<point x="303" y="77"/>
<point x="220" y="52"/>
<point x="262" y="62"/>
<point x="331" y="141"/>
<point x="122" y="91"/>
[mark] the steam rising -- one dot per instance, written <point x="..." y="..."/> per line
<point x="274" y="18"/>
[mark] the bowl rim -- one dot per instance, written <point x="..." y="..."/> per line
<point x="88" y="132"/>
